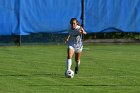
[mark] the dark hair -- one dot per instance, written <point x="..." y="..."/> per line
<point x="74" y="19"/>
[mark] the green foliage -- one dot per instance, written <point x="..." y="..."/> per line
<point x="113" y="35"/>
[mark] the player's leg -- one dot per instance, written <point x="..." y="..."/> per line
<point x="70" y="53"/>
<point x="77" y="60"/>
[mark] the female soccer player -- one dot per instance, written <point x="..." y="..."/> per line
<point x="74" y="41"/>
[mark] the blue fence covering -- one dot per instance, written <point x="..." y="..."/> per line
<point x="8" y="17"/>
<point x="47" y="15"/>
<point x="22" y="17"/>
<point x="112" y="15"/>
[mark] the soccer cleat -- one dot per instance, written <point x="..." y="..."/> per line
<point x="76" y="70"/>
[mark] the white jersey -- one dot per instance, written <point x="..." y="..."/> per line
<point x="75" y="39"/>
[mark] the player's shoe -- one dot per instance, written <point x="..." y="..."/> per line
<point x="76" y="70"/>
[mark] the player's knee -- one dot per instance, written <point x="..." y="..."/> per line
<point x="69" y="56"/>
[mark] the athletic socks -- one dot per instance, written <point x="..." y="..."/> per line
<point x="68" y="64"/>
<point x="77" y="63"/>
<point x="77" y="67"/>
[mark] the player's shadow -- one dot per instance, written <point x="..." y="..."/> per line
<point x="54" y="75"/>
<point x="12" y="75"/>
<point x="86" y="85"/>
<point x="34" y="74"/>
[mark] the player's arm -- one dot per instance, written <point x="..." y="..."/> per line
<point x="67" y="38"/>
<point x="82" y="31"/>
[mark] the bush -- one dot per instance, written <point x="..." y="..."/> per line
<point x="113" y="35"/>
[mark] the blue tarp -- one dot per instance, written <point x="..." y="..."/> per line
<point x="22" y="17"/>
<point x="112" y="15"/>
<point x="47" y="15"/>
<point x="8" y="17"/>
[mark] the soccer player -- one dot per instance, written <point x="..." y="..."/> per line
<point x="74" y="41"/>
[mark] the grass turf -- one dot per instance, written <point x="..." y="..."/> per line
<point x="40" y="69"/>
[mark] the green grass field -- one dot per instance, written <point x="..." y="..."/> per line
<point x="40" y="69"/>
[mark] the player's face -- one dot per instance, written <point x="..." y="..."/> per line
<point x="73" y="24"/>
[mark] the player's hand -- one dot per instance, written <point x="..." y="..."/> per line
<point x="66" y="40"/>
<point x="82" y="31"/>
